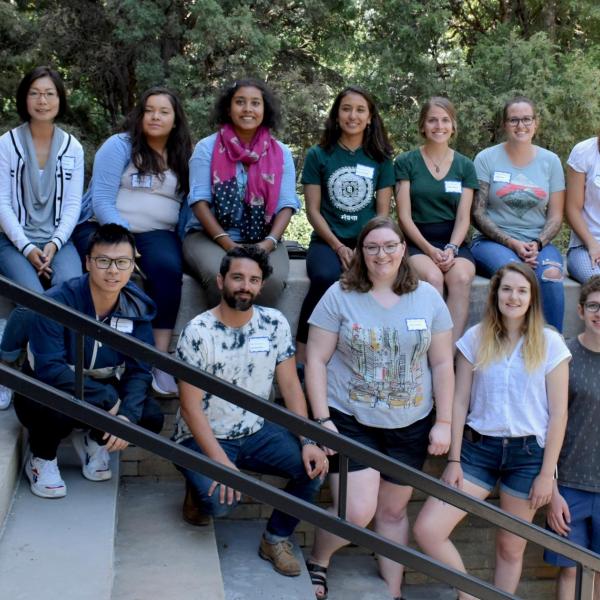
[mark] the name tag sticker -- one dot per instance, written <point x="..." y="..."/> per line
<point x="416" y="324"/>
<point x="597" y="180"/>
<point x="259" y="344"/>
<point x="122" y="325"/>
<point x="141" y="181"/>
<point x="68" y="162"/>
<point x="501" y="177"/>
<point x="453" y="187"/>
<point x="365" y="171"/>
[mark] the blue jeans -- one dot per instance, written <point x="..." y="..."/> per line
<point x="273" y="451"/>
<point x="490" y="256"/>
<point x="13" y="265"/>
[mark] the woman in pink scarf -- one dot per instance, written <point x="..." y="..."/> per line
<point x="242" y="188"/>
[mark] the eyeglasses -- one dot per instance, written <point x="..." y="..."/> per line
<point x="375" y="249"/>
<point x="103" y="262"/>
<point x="527" y="121"/>
<point x="35" y="95"/>
<point x="592" y="307"/>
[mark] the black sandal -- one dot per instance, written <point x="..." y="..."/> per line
<point x="318" y="576"/>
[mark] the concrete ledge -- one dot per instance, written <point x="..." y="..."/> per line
<point x="11" y="452"/>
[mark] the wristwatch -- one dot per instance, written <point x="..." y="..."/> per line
<point x="539" y="244"/>
<point x="453" y="247"/>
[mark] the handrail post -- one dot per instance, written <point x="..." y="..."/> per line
<point x="584" y="584"/>
<point x="79" y="384"/>
<point x="343" y="491"/>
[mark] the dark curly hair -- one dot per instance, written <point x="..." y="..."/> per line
<point x="272" y="109"/>
<point x="255" y="253"/>
<point x="356" y="278"/>
<point x="375" y="140"/>
<point x="26" y="83"/>
<point x="179" y="143"/>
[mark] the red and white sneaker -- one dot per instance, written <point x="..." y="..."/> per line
<point x="45" y="478"/>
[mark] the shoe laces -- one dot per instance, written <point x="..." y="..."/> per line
<point x="47" y="470"/>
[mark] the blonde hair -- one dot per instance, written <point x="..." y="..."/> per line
<point x="493" y="333"/>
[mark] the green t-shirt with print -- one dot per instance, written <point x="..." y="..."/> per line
<point x="433" y="200"/>
<point x="348" y="183"/>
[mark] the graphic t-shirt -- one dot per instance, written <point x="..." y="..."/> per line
<point x="519" y="196"/>
<point x="432" y="200"/>
<point x="379" y="372"/>
<point x="348" y="183"/>
<point x="245" y="356"/>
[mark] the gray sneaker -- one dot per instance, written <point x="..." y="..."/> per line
<point x="95" y="459"/>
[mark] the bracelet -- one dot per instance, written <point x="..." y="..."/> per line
<point x="539" y="244"/>
<point x="220" y="235"/>
<point x="273" y="239"/>
<point x="452" y="247"/>
<point x="453" y="460"/>
<point x="308" y="442"/>
<point x="338" y="248"/>
<point x="323" y="420"/>
<point x="443" y="421"/>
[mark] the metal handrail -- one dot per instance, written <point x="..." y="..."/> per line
<point x="74" y="406"/>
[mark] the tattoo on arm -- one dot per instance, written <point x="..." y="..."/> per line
<point x="550" y="230"/>
<point x="482" y="221"/>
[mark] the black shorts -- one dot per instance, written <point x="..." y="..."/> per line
<point x="406" y="444"/>
<point x="438" y="235"/>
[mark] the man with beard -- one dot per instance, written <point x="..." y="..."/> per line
<point x="246" y="345"/>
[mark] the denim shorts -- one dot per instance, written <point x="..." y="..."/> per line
<point x="585" y="523"/>
<point x="406" y="444"/>
<point x="516" y="462"/>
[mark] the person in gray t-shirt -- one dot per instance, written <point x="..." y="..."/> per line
<point x="575" y="508"/>
<point x="379" y="348"/>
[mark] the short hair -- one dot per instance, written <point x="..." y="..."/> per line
<point x="255" y="253"/>
<point x="517" y="100"/>
<point x="272" y="109"/>
<point x="589" y="287"/>
<point x="375" y="139"/>
<point x="26" y="83"/>
<point x="356" y="278"/>
<point x="111" y="234"/>
<point x="442" y="103"/>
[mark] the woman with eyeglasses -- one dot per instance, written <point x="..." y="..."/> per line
<point x="434" y="192"/>
<point x="518" y="208"/>
<point x="508" y="420"/>
<point x="41" y="182"/>
<point x="140" y="181"/>
<point x="242" y="188"/>
<point x="583" y="209"/>
<point x="348" y="179"/>
<point x="379" y="350"/>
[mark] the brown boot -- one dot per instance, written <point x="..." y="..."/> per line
<point x="281" y="555"/>
<point x="191" y="512"/>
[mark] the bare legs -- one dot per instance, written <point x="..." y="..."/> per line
<point x="565" y="585"/>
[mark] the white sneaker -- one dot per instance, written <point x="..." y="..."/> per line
<point x="5" y="397"/>
<point x="95" y="459"/>
<point x="45" y="478"/>
<point x="163" y="383"/>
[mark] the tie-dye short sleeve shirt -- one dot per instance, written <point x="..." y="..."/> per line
<point x="245" y="356"/>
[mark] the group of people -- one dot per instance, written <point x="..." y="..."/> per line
<point x="385" y="359"/>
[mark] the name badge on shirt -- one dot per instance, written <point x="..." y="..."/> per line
<point x="364" y="171"/>
<point x="121" y="324"/>
<point x="416" y="324"/>
<point x="453" y="187"/>
<point x="501" y="177"/>
<point x="141" y="181"/>
<point x="259" y="344"/>
<point x="68" y="162"/>
<point x="597" y="180"/>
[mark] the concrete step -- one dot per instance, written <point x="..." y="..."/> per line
<point x="11" y="451"/>
<point x="248" y="577"/>
<point x="158" y="555"/>
<point x="63" y="548"/>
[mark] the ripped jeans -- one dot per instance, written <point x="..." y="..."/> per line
<point x="490" y="256"/>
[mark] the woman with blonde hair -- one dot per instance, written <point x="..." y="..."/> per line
<point x="508" y="420"/>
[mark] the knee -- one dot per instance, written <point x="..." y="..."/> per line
<point x="425" y="531"/>
<point x="461" y="280"/>
<point x="551" y="271"/>
<point x="391" y="514"/>
<point x="435" y="278"/>
<point x="510" y="549"/>
<point x="361" y="515"/>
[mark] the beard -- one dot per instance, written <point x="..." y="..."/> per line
<point x="237" y="303"/>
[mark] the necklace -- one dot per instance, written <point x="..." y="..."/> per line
<point x="350" y="150"/>
<point x="435" y="164"/>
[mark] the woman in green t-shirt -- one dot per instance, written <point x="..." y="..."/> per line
<point x="434" y="192"/>
<point x="348" y="179"/>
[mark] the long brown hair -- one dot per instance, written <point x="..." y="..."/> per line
<point x="494" y="335"/>
<point x="356" y="278"/>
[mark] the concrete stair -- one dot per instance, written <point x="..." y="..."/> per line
<point x="11" y="451"/>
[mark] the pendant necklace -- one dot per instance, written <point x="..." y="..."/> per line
<point x="437" y="165"/>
